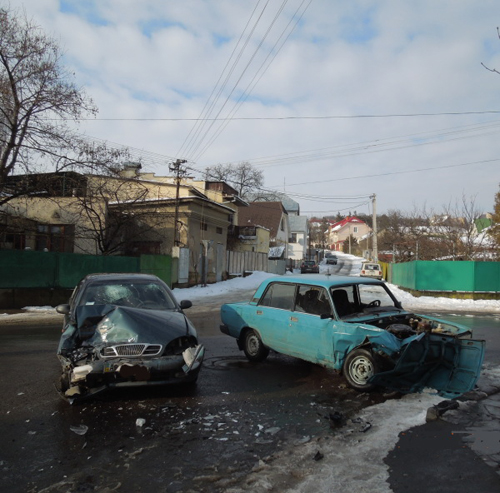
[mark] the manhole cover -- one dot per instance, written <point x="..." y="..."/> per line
<point x="227" y="363"/>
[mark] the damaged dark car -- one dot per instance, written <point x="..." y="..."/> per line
<point x="125" y="330"/>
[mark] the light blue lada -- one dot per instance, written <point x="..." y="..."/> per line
<point x="356" y="326"/>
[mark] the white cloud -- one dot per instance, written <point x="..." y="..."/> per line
<point x="162" y="59"/>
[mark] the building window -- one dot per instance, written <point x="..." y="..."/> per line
<point x="203" y="226"/>
<point x="282" y="225"/>
<point x="355" y="229"/>
<point x="54" y="237"/>
<point x="293" y="238"/>
<point x="218" y="230"/>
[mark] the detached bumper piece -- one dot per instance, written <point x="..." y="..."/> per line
<point x="447" y="364"/>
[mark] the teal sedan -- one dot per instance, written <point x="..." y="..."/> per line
<point x="358" y="327"/>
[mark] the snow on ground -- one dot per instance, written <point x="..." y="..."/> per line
<point x="250" y="282"/>
<point x="353" y="457"/>
<point x="426" y="303"/>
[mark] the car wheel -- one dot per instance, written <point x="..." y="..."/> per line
<point x="359" y="366"/>
<point x="253" y="347"/>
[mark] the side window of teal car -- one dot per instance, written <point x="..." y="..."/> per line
<point x="313" y="300"/>
<point x="279" y="295"/>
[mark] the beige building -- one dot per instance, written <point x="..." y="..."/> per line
<point x="131" y="214"/>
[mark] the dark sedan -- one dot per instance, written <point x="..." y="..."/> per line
<point x="124" y="330"/>
<point x="309" y="266"/>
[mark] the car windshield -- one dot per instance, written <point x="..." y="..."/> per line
<point x="309" y="262"/>
<point x="149" y="295"/>
<point x="369" y="293"/>
<point x="361" y="299"/>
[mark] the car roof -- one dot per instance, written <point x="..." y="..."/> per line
<point x="325" y="281"/>
<point x="119" y="276"/>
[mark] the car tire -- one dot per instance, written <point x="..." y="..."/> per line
<point x="253" y="346"/>
<point x="359" y="366"/>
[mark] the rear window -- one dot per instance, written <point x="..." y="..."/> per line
<point x="371" y="267"/>
<point x="279" y="296"/>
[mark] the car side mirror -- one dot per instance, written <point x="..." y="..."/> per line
<point x="62" y="309"/>
<point x="184" y="304"/>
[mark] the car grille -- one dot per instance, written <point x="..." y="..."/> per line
<point x="131" y="350"/>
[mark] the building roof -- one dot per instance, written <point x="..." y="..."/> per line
<point x="265" y="214"/>
<point x="346" y="221"/>
<point x="290" y="205"/>
<point x="298" y="224"/>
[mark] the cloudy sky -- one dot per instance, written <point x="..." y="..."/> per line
<point x="333" y="100"/>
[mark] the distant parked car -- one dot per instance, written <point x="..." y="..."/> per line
<point x="331" y="259"/>
<point x="355" y="325"/>
<point x="123" y="330"/>
<point x="371" y="269"/>
<point x="309" y="266"/>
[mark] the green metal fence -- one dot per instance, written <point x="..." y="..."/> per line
<point x="466" y="276"/>
<point x="31" y="269"/>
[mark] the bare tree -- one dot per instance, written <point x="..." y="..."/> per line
<point x="37" y="99"/>
<point x="495" y="230"/>
<point x="114" y="214"/>
<point x="319" y="233"/>
<point x="243" y="177"/>
<point x="488" y="68"/>
<point x="462" y="228"/>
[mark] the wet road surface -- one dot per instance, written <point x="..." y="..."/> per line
<point x="209" y="438"/>
<point x="206" y="438"/>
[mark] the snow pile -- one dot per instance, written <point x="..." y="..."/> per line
<point x="439" y="304"/>
<point x="252" y="281"/>
<point x="352" y="459"/>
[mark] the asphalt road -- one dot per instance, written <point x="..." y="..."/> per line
<point x="204" y="439"/>
<point x="210" y="438"/>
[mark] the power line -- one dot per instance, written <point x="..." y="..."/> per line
<point x="262" y="70"/>
<point x="310" y="117"/>
<point x="212" y="100"/>
<point x="397" y="143"/>
<point x="486" y="161"/>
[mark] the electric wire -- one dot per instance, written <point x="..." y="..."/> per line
<point x="254" y="54"/>
<point x="256" y="79"/>
<point x="211" y="101"/>
<point x="310" y="117"/>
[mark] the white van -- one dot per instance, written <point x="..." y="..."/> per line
<point x="371" y="269"/>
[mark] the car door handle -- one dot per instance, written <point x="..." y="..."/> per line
<point x="294" y="319"/>
<point x="259" y="312"/>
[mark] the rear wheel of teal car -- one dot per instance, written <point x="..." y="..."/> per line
<point x="359" y="366"/>
<point x="253" y="347"/>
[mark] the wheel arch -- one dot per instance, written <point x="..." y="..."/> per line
<point x="243" y="332"/>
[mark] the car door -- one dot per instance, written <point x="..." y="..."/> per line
<point x="273" y="314"/>
<point x="309" y="336"/>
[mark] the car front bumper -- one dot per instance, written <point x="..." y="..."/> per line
<point x="91" y="378"/>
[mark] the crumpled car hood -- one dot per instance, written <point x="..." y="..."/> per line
<point x="450" y="365"/>
<point x="98" y="325"/>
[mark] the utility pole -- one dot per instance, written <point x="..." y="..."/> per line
<point x="176" y="168"/>
<point x="374" y="242"/>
